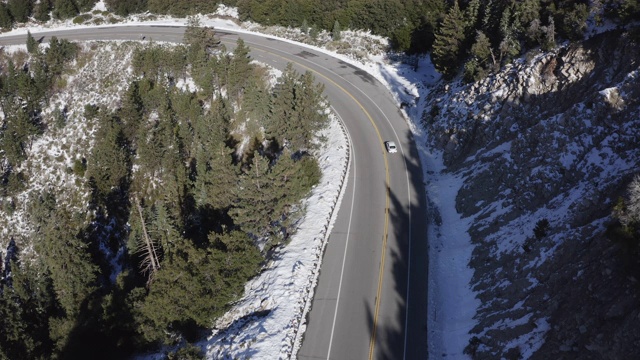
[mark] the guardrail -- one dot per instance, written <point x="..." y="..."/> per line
<point x="301" y="325"/>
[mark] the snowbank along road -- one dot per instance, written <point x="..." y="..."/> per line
<point x="371" y="298"/>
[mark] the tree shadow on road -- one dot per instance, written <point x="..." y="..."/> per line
<point x="405" y="222"/>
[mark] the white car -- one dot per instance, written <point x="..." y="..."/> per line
<point x="391" y="146"/>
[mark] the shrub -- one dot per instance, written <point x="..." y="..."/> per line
<point x="60" y="84"/>
<point x="513" y="354"/>
<point x="80" y="167"/>
<point x="81" y="18"/>
<point x="430" y="117"/>
<point x="314" y="32"/>
<point x="188" y="352"/>
<point x="472" y="348"/>
<point x="15" y="183"/>
<point x="91" y="111"/>
<point x="541" y="229"/>
<point x="9" y="206"/>
<point x="60" y="117"/>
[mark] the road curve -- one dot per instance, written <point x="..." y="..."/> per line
<point x="371" y="298"/>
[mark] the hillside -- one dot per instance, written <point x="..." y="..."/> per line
<point x="142" y="185"/>
<point x="524" y="171"/>
<point x="541" y="151"/>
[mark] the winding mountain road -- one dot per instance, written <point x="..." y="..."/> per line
<point x="371" y="298"/>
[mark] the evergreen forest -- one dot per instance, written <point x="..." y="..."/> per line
<point x="181" y="211"/>
<point x="471" y="37"/>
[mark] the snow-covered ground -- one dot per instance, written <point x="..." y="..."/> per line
<point x="452" y="304"/>
<point x="267" y="323"/>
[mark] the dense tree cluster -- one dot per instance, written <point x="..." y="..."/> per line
<point x="183" y="187"/>
<point x="19" y="11"/>
<point x="477" y="36"/>
<point x="481" y="36"/>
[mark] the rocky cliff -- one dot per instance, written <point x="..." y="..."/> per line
<point x="545" y="148"/>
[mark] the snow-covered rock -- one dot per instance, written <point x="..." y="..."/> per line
<point x="555" y="137"/>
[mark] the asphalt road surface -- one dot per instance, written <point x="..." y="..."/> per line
<point x="371" y="299"/>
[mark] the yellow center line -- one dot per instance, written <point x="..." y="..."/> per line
<point x="388" y="188"/>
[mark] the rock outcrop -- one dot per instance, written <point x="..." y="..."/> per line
<point x="555" y="137"/>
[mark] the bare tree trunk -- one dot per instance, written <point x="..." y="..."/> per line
<point x="150" y="262"/>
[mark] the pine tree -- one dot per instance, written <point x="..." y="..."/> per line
<point x="628" y="208"/>
<point x="203" y="71"/>
<point x="574" y="21"/>
<point x="200" y="38"/>
<point x="20" y="10"/>
<point x="255" y="102"/>
<point x="241" y="258"/>
<point x="296" y="111"/>
<point x="401" y="38"/>
<point x="508" y="49"/>
<point x="215" y="174"/>
<point x="126" y="7"/>
<point x="192" y="34"/>
<point x="541" y="229"/>
<point x="161" y="157"/>
<point x="239" y="68"/>
<point x="67" y="260"/>
<point x="64" y="9"/>
<point x="188" y="111"/>
<point x="254" y="208"/>
<point x="108" y="166"/>
<point x="481" y="49"/>
<point x="293" y="179"/>
<point x="279" y="124"/>
<point x="85" y="5"/>
<point x="311" y="116"/>
<point x="195" y="286"/>
<point x="549" y="35"/>
<point x="628" y="10"/>
<point x="175" y="178"/>
<point x="131" y="111"/>
<point x="64" y="252"/>
<point x="215" y="184"/>
<point x="164" y="230"/>
<point x="25" y="307"/>
<point x="6" y="21"/>
<point x="483" y="59"/>
<point x="527" y="11"/>
<point x="336" y="31"/>
<point x="59" y="52"/>
<point x="16" y="138"/>
<point x="268" y="191"/>
<point x="471" y="15"/>
<point x="42" y="79"/>
<point x="449" y="39"/>
<point x="41" y="10"/>
<point x="213" y="128"/>
<point x="155" y="144"/>
<point x="32" y="44"/>
<point x="314" y="32"/>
